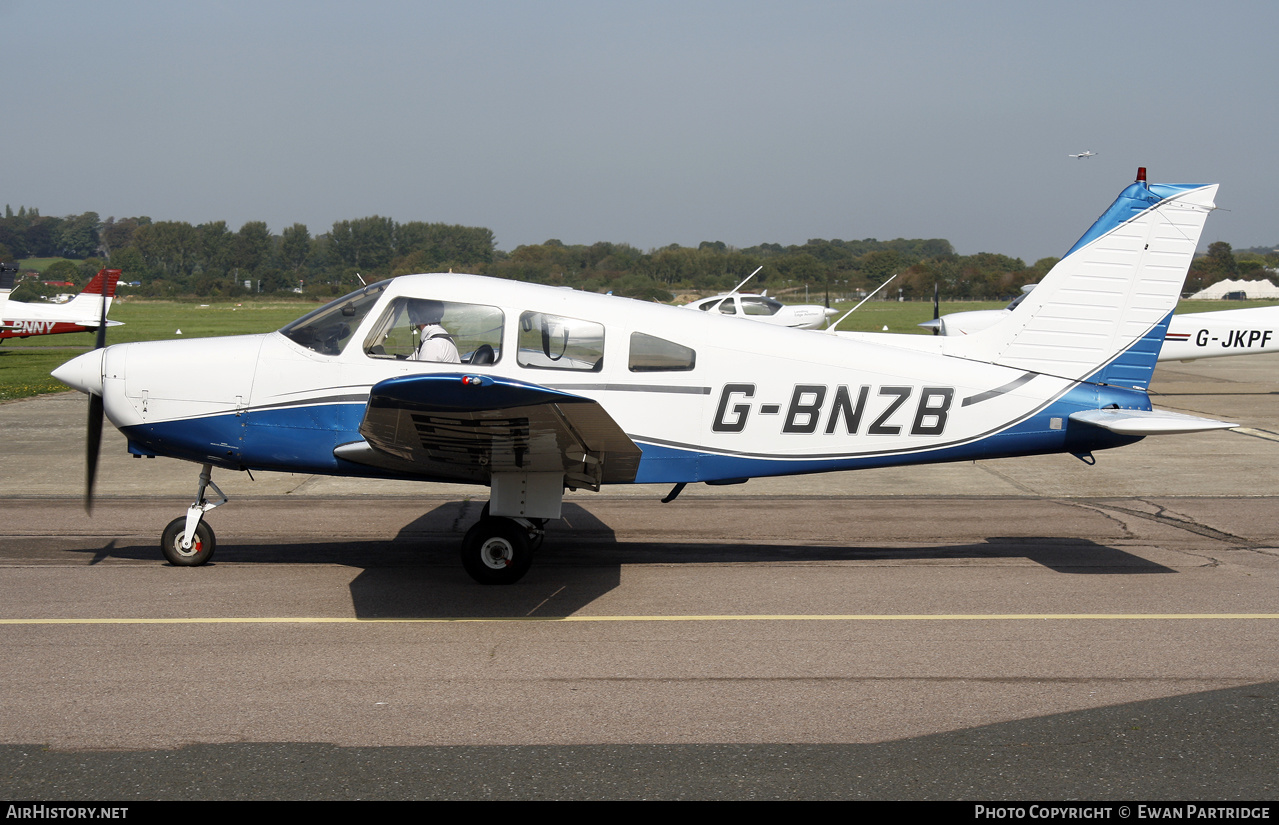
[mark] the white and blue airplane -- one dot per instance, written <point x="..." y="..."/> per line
<point x="537" y="389"/>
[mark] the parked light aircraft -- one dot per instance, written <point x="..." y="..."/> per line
<point x="83" y="313"/>
<point x="558" y="389"/>
<point x="1190" y="337"/>
<point x="1083" y="155"/>
<point x="769" y="310"/>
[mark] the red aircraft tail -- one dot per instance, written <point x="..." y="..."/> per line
<point x="110" y="276"/>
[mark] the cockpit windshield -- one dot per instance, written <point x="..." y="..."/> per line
<point x="328" y="329"/>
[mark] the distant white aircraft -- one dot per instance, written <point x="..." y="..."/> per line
<point x="1084" y="155"/>
<point x="769" y="310"/>
<point x="763" y="308"/>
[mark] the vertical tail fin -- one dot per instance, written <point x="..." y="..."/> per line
<point x="103" y="283"/>
<point x="1102" y="310"/>
<point x="101" y="287"/>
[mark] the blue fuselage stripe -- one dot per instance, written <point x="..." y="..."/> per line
<point x="302" y="439"/>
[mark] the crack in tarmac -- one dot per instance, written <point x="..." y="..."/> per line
<point x="1166" y="516"/>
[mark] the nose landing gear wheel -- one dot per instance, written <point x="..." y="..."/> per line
<point x="200" y="551"/>
<point x="496" y="551"/>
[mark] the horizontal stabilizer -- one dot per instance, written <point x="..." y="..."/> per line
<point x="1148" y="422"/>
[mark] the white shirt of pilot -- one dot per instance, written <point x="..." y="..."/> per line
<point x="436" y="345"/>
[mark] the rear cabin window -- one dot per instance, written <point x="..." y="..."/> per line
<point x="457" y="332"/>
<point x="554" y="342"/>
<point x="652" y="354"/>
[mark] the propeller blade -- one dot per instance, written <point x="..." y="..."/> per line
<point x="92" y="445"/>
<point x="936" y="310"/>
<point x="100" y="339"/>
<point x="93" y="429"/>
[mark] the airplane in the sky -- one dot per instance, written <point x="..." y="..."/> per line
<point x="769" y="310"/>
<point x="1083" y="155"/>
<point x="556" y="389"/>
<point x="1190" y="336"/>
<point x="82" y="313"/>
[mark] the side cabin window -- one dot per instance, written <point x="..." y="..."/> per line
<point x="652" y="354"/>
<point x="446" y="332"/>
<point x="553" y="342"/>
<point x="726" y="307"/>
<point x="328" y="329"/>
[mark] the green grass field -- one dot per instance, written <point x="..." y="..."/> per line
<point x="39" y="264"/>
<point x="25" y="364"/>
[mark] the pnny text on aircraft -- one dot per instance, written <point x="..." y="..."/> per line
<point x="537" y="389"/>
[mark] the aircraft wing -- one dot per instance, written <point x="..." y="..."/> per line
<point x="468" y="427"/>
<point x="1148" y="422"/>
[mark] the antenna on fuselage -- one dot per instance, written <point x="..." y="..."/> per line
<point x="747" y="278"/>
<point x="739" y="286"/>
<point x="831" y="328"/>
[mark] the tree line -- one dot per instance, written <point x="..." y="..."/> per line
<point x="176" y="258"/>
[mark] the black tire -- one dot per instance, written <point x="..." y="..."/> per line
<point x="201" y="548"/>
<point x="496" y="551"/>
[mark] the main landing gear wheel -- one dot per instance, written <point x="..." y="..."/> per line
<point x="496" y="551"/>
<point x="200" y="551"/>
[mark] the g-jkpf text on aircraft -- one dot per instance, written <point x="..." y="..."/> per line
<point x="559" y="389"/>
<point x="83" y="313"/>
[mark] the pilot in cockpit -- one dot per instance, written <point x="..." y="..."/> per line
<point x="435" y="344"/>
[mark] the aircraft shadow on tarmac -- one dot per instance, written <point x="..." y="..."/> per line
<point x="417" y="574"/>
<point x="569" y="575"/>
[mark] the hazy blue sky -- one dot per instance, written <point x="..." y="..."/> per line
<point x="647" y="123"/>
